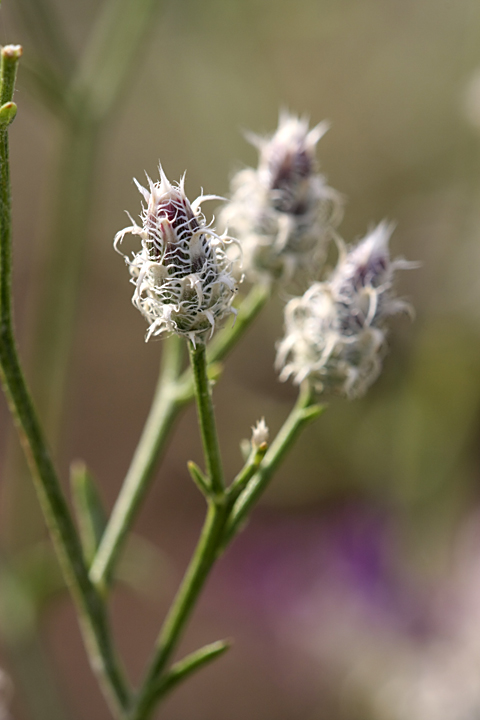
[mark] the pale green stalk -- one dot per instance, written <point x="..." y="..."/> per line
<point x="75" y="98"/>
<point x="182" y="669"/>
<point x="62" y="271"/>
<point x="165" y="408"/>
<point x="246" y="314"/>
<point x="90" y="607"/>
<point x="42" y="23"/>
<point x="183" y="605"/>
<point x="207" y="548"/>
<point x="206" y="418"/>
<point x="174" y="391"/>
<point x="109" y="58"/>
<point x="82" y="97"/>
<point x="87" y="99"/>
<point x="303" y="412"/>
<point x="226" y="511"/>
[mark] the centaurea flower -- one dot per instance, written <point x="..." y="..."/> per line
<point x="182" y="276"/>
<point x="335" y="333"/>
<point x="283" y="213"/>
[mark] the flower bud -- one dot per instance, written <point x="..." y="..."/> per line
<point x="260" y="434"/>
<point x="182" y="276"/>
<point x="336" y="333"/>
<point x="283" y="213"/>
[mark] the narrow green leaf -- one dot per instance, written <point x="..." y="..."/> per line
<point x="199" y="478"/>
<point x="313" y="412"/>
<point x="251" y="466"/>
<point x="89" y="510"/>
<point x="184" y="668"/>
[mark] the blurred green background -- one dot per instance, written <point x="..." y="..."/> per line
<point x="379" y="499"/>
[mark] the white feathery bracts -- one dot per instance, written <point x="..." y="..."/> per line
<point x="336" y="332"/>
<point x="283" y="213"/>
<point x="183" y="278"/>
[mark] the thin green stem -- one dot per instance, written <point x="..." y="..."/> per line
<point x="182" y="669"/>
<point x="303" y="412"/>
<point x="62" y="271"/>
<point x="108" y="59"/>
<point x="246" y="314"/>
<point x="165" y="408"/>
<point x="84" y="103"/>
<point x="202" y="561"/>
<point x="174" y="391"/>
<point x="9" y="63"/>
<point x="62" y="529"/>
<point x="220" y="526"/>
<point x="43" y="82"/>
<point x="89" y="511"/>
<point x="251" y="466"/>
<point x="61" y="257"/>
<point x="41" y="21"/>
<point x="57" y="514"/>
<point x="206" y="417"/>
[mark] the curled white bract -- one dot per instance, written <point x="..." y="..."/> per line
<point x="283" y="213"/>
<point x="183" y="278"/>
<point x="335" y="334"/>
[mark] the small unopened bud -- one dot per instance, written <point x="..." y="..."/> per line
<point x="7" y="114"/>
<point x="283" y="213"/>
<point x="336" y="332"/>
<point x="12" y="52"/>
<point x="260" y="434"/>
<point x="182" y="276"/>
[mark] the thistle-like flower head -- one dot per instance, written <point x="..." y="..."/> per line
<point x="182" y="276"/>
<point x="336" y="332"/>
<point x="283" y="213"/>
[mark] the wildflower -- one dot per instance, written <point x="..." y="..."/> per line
<point x="182" y="276"/>
<point x="283" y="213"/>
<point x="335" y="333"/>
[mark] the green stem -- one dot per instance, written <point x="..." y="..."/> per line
<point x="220" y="526"/>
<point x="206" y="417"/>
<point x="241" y="480"/>
<point x="303" y="412"/>
<point x="165" y="408"/>
<point x="9" y="63"/>
<point x="206" y="551"/>
<point x="86" y="101"/>
<point x="173" y="392"/>
<point x="182" y="669"/>
<point x="62" y="529"/>
<point x="246" y="314"/>
<point x="40" y="20"/>
<point x="57" y="514"/>
<point x="62" y="270"/>
<point x="109" y="58"/>
<point x="202" y="561"/>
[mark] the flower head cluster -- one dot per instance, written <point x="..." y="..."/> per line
<point x="335" y="333"/>
<point x="283" y="213"/>
<point x="182" y="276"/>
